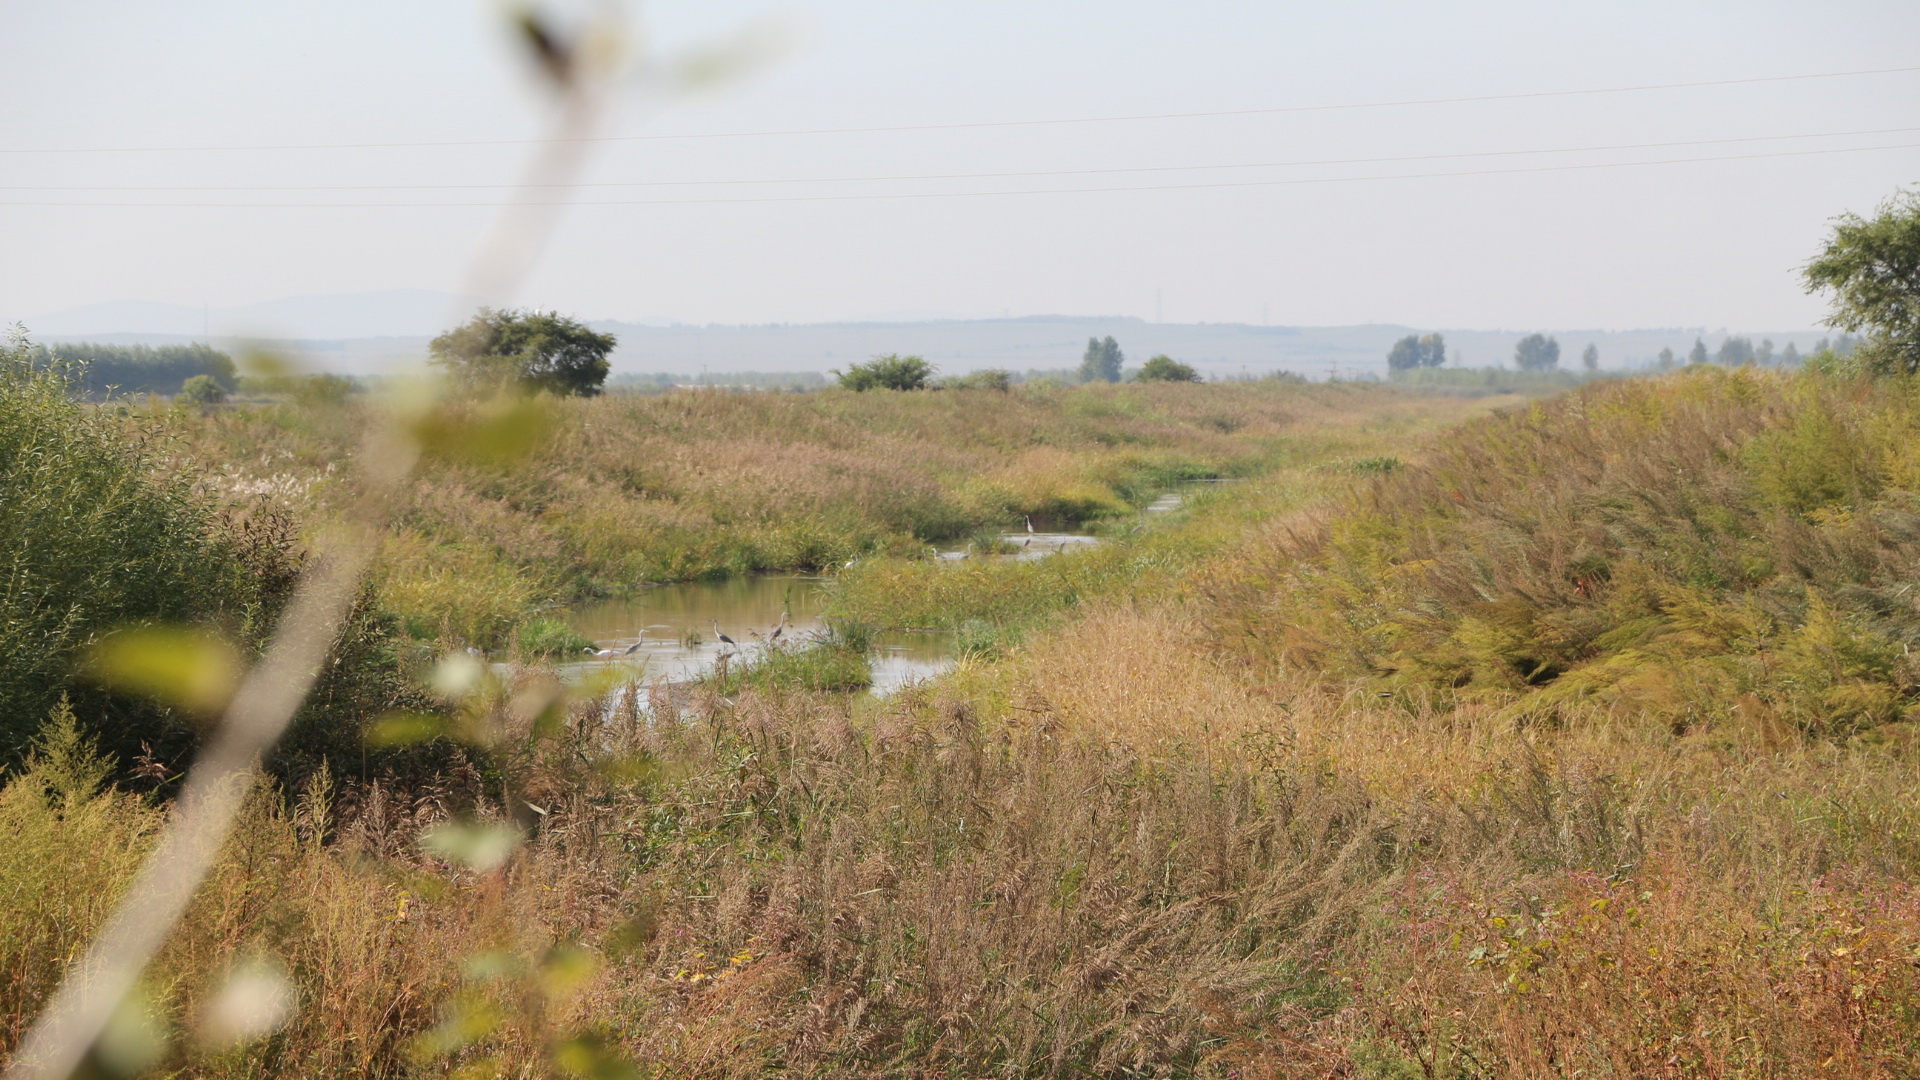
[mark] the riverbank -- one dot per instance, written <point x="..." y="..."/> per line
<point x="623" y="491"/>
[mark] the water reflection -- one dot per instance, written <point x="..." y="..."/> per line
<point x="673" y="626"/>
<point x="670" y="628"/>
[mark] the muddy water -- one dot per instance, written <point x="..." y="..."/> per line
<point x="1036" y="545"/>
<point x="674" y="625"/>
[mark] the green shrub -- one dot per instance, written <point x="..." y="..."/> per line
<point x="93" y="536"/>
<point x="889" y="372"/>
<point x="1166" y="369"/>
<point x="989" y="379"/>
<point x="202" y="390"/>
<point x="97" y="534"/>
<point x="991" y="542"/>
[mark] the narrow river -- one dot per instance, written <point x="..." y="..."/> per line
<point x="674" y="625"/>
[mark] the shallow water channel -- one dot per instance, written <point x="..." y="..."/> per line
<point x="673" y="625"/>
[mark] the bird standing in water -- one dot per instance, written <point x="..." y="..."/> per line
<point x="718" y="634"/>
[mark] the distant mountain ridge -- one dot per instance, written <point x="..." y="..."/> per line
<point x="375" y="332"/>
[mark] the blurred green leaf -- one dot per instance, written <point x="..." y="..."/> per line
<point x="466" y="1018"/>
<point x="133" y="1041"/>
<point x="498" y="431"/>
<point x="633" y="934"/>
<point x="544" y="45"/>
<point x="542" y="706"/>
<point x="715" y="65"/>
<point x="587" y="1056"/>
<point x="177" y="665"/>
<point x="265" y="364"/>
<point x="565" y="969"/>
<point x="491" y="966"/>
<point x="405" y="729"/>
<point x="478" y="847"/>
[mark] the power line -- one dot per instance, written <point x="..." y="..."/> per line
<point x="896" y="196"/>
<point x="580" y="185"/>
<point x="971" y="125"/>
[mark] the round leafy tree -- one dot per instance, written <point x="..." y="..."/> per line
<point x="1166" y="369"/>
<point x="1536" y="352"/>
<point x="889" y="372"/>
<point x="534" y="350"/>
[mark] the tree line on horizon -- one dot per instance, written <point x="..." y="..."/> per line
<point x="1541" y="353"/>
<point x="99" y="370"/>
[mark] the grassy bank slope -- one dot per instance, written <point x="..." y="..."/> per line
<point x="669" y="487"/>
<point x="1722" y="547"/>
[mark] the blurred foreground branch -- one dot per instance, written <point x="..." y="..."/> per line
<point x="582" y="69"/>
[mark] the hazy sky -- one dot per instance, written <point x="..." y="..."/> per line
<point x="1702" y="243"/>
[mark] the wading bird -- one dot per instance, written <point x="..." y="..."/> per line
<point x="718" y="634"/>
<point x="1029" y="524"/>
<point x="605" y="654"/>
<point x="778" y="630"/>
